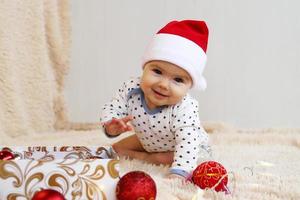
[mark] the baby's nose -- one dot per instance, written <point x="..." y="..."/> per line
<point x="164" y="83"/>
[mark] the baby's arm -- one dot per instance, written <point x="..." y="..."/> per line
<point x="189" y="136"/>
<point x="114" y="115"/>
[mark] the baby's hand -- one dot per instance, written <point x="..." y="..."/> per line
<point x="115" y="126"/>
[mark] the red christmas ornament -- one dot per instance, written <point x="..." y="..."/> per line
<point x="208" y="174"/>
<point x="48" y="194"/>
<point x="136" y="185"/>
<point x="6" y="155"/>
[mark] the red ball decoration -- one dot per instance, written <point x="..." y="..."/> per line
<point x="48" y="194"/>
<point x="136" y="185"/>
<point x="6" y="155"/>
<point x="208" y="174"/>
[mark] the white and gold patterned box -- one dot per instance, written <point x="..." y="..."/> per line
<point x="79" y="173"/>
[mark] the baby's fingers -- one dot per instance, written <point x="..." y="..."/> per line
<point x="120" y="123"/>
<point x="127" y="118"/>
<point x="129" y="127"/>
<point x="110" y="122"/>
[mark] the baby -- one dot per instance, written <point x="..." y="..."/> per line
<point x="157" y="106"/>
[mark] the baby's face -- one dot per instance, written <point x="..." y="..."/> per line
<point x="164" y="83"/>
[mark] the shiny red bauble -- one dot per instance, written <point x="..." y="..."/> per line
<point x="48" y="194"/>
<point x="6" y="155"/>
<point x="208" y="174"/>
<point x="136" y="185"/>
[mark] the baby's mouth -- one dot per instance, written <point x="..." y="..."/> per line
<point x="160" y="94"/>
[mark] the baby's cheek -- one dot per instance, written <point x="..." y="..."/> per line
<point x="146" y="81"/>
<point x="152" y="78"/>
<point x="178" y="94"/>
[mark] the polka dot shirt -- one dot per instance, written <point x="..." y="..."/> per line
<point x="170" y="128"/>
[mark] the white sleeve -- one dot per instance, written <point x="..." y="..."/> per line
<point x="118" y="106"/>
<point x="189" y="136"/>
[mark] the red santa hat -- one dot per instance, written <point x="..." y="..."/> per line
<point x="184" y="44"/>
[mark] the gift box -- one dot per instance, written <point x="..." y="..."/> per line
<point x="77" y="172"/>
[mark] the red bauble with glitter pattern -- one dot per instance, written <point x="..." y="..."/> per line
<point x="136" y="185"/>
<point x="6" y="155"/>
<point x="48" y="194"/>
<point x="208" y="174"/>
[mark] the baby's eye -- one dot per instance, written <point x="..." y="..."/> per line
<point x="179" y="80"/>
<point x="157" y="71"/>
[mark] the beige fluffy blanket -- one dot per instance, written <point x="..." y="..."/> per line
<point x="262" y="164"/>
<point x="34" y="59"/>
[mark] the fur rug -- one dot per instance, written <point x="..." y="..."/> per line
<point x="262" y="164"/>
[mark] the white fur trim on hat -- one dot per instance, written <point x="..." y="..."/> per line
<point x="181" y="52"/>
